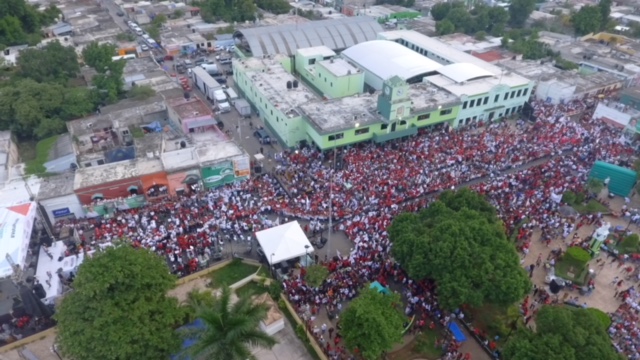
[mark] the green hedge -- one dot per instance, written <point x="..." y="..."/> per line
<point x="602" y="317"/>
<point x="577" y="255"/>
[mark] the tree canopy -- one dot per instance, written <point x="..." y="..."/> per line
<point x="525" y="42"/>
<point x="372" y="323"/>
<point x="459" y="242"/>
<point x="38" y="110"/>
<point x="562" y="333"/>
<point x="454" y="17"/>
<point x="519" y="11"/>
<point x="20" y="22"/>
<point x="587" y="20"/>
<point x="274" y="6"/>
<point x="227" y="10"/>
<point x="228" y="328"/>
<point x="53" y="62"/>
<point x="119" y="309"/>
<point x="108" y="81"/>
<point x="605" y="10"/>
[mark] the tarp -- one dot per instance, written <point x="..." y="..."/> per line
<point x="381" y="289"/>
<point x="621" y="180"/>
<point x="457" y="333"/>
<point x="284" y="242"/>
<point x="153" y="127"/>
<point x="16" y="224"/>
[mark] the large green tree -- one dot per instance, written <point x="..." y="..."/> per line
<point x="38" y="110"/>
<point x="109" y="80"/>
<point x="52" y="63"/>
<point x="119" y="308"/>
<point x="373" y="323"/>
<point x="228" y="329"/>
<point x="605" y="10"/>
<point x="562" y="333"/>
<point x="440" y="10"/>
<point x="459" y="242"/>
<point x="228" y="10"/>
<point x="20" y="22"/>
<point x="519" y="11"/>
<point x="587" y="20"/>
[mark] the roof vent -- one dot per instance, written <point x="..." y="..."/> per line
<point x="289" y="85"/>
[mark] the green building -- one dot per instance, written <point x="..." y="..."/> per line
<point x="631" y="97"/>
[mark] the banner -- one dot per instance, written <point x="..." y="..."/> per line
<point x="218" y="175"/>
<point x="242" y="167"/>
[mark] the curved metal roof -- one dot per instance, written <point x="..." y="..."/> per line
<point x="386" y="59"/>
<point x="461" y="72"/>
<point x="335" y="34"/>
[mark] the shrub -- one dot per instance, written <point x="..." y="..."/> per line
<point x="578" y="255"/>
<point x="602" y="317"/>
<point x="274" y="289"/>
<point x="630" y="244"/>
<point x="569" y="197"/>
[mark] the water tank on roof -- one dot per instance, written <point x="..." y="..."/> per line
<point x="187" y="95"/>
<point x="289" y="85"/>
<point x="295" y="84"/>
<point x="183" y="144"/>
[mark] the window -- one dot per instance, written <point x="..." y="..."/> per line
<point x="384" y="126"/>
<point x="471" y="103"/>
<point x="331" y="84"/>
<point x="125" y="132"/>
<point x="424" y="116"/>
<point x="486" y="100"/>
<point x="271" y="112"/>
<point x="446" y="112"/>
<point x="312" y="61"/>
<point x="100" y="162"/>
<point x="87" y="164"/>
<point x="507" y="112"/>
<point x="336" y="137"/>
<point x="524" y="93"/>
<point x="464" y="105"/>
<point x="519" y="93"/>
<point x="506" y="96"/>
<point x="362" y="131"/>
<point x="513" y="93"/>
<point x="495" y="100"/>
<point x="403" y="122"/>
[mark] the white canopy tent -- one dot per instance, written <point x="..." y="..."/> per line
<point x="16" y="224"/>
<point x="284" y="242"/>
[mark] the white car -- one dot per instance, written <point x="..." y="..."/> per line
<point x="144" y="47"/>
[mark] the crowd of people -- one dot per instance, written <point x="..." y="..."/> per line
<point x="521" y="167"/>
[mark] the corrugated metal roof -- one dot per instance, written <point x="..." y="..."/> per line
<point x="336" y="34"/>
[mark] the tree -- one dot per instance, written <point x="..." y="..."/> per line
<point x="141" y="92"/>
<point x="229" y="11"/>
<point x="445" y="27"/>
<point x="316" y="274"/>
<point x="562" y="333"/>
<point x="274" y="6"/>
<point x="440" y="10"/>
<point x="595" y="185"/>
<point x="52" y="63"/>
<point x="605" y="10"/>
<point x="228" y="329"/>
<point x="459" y="242"/>
<point x="587" y="20"/>
<point x="372" y="323"/>
<point x="21" y="23"/>
<point x="119" y="309"/>
<point x="460" y="18"/>
<point x="519" y="11"/>
<point x="108" y="81"/>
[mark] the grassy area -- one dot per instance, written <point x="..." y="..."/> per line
<point x="264" y="272"/>
<point x="495" y="320"/>
<point x="251" y="289"/>
<point x="35" y="166"/>
<point x="231" y="273"/>
<point x="425" y="344"/>
<point x="592" y="207"/>
<point x="569" y="270"/>
<point x="136" y="132"/>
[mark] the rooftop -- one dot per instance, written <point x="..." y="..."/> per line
<point x="272" y="82"/>
<point x="211" y="153"/>
<point x="398" y="60"/>
<point x="340" y="114"/>
<point x="105" y="174"/>
<point x="439" y="48"/>
<point x="467" y="43"/>
<point x="316" y="51"/>
<point x="478" y="86"/>
<point x="56" y="186"/>
<point x="425" y="96"/>
<point x="339" y="67"/>
<point x="191" y="108"/>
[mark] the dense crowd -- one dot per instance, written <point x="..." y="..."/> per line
<point x="519" y="166"/>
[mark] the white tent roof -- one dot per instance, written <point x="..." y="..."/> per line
<point x="461" y="72"/>
<point x="285" y="242"/>
<point x="16" y="224"/>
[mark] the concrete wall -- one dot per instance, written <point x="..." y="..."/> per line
<point x="112" y="190"/>
<point x="58" y="204"/>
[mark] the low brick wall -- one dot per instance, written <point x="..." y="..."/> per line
<point x="299" y="321"/>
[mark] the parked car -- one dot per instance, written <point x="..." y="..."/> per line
<point x="160" y="59"/>
<point x="221" y="80"/>
<point x="262" y="136"/>
<point x="225" y="61"/>
<point x="144" y="47"/>
<point x="120" y="13"/>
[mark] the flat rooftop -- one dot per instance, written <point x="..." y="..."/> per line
<point x="322" y="50"/>
<point x="211" y="153"/>
<point x="191" y="108"/>
<point x="479" y="86"/>
<point x="425" y="96"/>
<point x="56" y="186"/>
<point x="339" y="67"/>
<point x="343" y="113"/>
<point x="104" y="174"/>
<point x="272" y="83"/>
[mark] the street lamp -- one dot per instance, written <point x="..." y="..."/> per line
<point x="306" y="252"/>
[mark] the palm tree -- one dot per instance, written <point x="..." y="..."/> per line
<point x="228" y="330"/>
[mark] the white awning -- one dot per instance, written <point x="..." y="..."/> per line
<point x="16" y="224"/>
<point x="284" y="242"/>
<point x="200" y="123"/>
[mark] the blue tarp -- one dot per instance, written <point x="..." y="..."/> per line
<point x="187" y="343"/>
<point x="153" y="127"/>
<point x="381" y="289"/>
<point x="457" y="333"/>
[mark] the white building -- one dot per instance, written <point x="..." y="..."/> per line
<point x="57" y="198"/>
